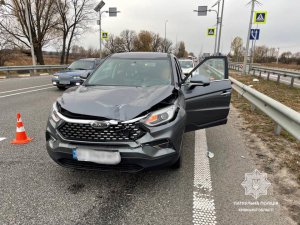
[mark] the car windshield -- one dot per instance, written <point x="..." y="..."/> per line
<point x="82" y="65"/>
<point x="132" y="72"/>
<point x="186" y="64"/>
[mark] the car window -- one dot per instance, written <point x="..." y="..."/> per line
<point x="82" y="65"/>
<point x="186" y="64"/>
<point x="132" y="72"/>
<point x="213" y="69"/>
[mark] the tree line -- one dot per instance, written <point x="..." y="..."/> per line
<point x="52" y="22"/>
<point x="262" y="54"/>
<point x="60" y="23"/>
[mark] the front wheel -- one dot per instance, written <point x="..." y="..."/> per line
<point x="177" y="164"/>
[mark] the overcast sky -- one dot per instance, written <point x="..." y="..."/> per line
<point x="282" y="29"/>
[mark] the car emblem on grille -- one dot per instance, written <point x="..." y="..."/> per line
<point x="100" y="124"/>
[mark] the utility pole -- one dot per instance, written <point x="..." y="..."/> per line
<point x="29" y="33"/>
<point x="248" y="38"/>
<point x="221" y="24"/>
<point x="277" y="55"/>
<point x="216" y="37"/>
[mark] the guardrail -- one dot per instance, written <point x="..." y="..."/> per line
<point x="279" y="72"/>
<point x="283" y="116"/>
<point x="31" y="69"/>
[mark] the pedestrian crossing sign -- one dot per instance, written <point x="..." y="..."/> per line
<point x="104" y="35"/>
<point x="260" y="17"/>
<point x="211" y="32"/>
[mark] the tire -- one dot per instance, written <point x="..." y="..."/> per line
<point x="177" y="164"/>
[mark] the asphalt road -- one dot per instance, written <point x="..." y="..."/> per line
<point x="34" y="190"/>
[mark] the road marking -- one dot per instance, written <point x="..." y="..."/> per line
<point x="2" y="138"/>
<point x="25" y="88"/>
<point x="203" y="202"/>
<point x="25" y="92"/>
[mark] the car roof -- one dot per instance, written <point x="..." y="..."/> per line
<point x="140" y="55"/>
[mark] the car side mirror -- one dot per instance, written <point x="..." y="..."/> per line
<point x="198" y="80"/>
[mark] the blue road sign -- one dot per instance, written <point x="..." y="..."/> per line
<point x="254" y="35"/>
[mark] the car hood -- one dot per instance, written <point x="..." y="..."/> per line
<point x="113" y="102"/>
<point x="72" y="72"/>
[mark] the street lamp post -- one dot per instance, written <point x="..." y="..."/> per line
<point x="221" y="24"/>
<point x="248" y="38"/>
<point x="166" y="35"/>
<point x="98" y="9"/>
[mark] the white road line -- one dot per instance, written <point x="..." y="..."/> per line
<point x="4" y="96"/>
<point x="2" y="138"/>
<point x="25" y="88"/>
<point x="203" y="202"/>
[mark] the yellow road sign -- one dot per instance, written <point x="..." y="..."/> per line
<point x="211" y="32"/>
<point x="104" y="35"/>
<point x="260" y="17"/>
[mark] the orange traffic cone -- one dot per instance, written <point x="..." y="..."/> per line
<point x="21" y="137"/>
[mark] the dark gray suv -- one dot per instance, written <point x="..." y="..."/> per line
<point x="131" y="113"/>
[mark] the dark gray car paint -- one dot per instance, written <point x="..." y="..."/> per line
<point x="113" y="102"/>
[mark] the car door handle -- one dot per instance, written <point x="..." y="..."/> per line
<point x="225" y="93"/>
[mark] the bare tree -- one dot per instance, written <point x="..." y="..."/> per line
<point x="128" y="37"/>
<point x="42" y="18"/>
<point x="157" y="43"/>
<point x="74" y="15"/>
<point x="237" y="48"/>
<point x="114" y="44"/>
<point x="167" y="45"/>
<point x="182" y="53"/>
<point x="5" y="51"/>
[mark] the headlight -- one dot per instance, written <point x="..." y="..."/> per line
<point x="55" y="76"/>
<point x="54" y="113"/>
<point x="76" y="77"/>
<point x="160" y="116"/>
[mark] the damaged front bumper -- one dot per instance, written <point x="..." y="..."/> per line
<point x="158" y="147"/>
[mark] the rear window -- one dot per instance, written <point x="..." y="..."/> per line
<point x="132" y="72"/>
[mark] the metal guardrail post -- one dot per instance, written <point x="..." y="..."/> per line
<point x="278" y="78"/>
<point x="292" y="81"/>
<point x="278" y="129"/>
<point x="268" y="76"/>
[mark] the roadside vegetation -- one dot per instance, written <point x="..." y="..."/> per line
<point x="284" y="147"/>
<point x="267" y="56"/>
<point x="279" y="156"/>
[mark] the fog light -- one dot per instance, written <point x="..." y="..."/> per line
<point x="77" y="84"/>
<point x="54" y="83"/>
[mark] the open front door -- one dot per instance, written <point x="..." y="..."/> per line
<point x="208" y="106"/>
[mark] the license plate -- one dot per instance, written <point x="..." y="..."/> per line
<point x="64" y="82"/>
<point x="100" y="157"/>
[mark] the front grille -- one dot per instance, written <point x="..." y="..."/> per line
<point x="114" y="133"/>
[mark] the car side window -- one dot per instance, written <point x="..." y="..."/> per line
<point x="214" y="69"/>
<point x="178" y="70"/>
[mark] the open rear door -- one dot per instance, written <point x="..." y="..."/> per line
<point x="208" y="106"/>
